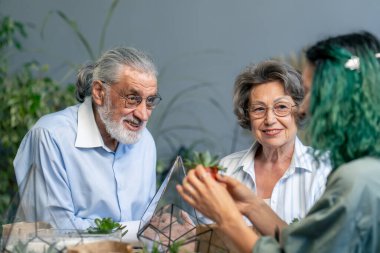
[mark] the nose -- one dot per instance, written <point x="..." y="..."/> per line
<point x="142" y="112"/>
<point x="270" y="117"/>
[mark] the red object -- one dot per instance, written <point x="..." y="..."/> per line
<point x="212" y="171"/>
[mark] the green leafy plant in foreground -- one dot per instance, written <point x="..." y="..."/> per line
<point x="21" y="247"/>
<point x="294" y="220"/>
<point x="106" y="226"/>
<point x="173" y="248"/>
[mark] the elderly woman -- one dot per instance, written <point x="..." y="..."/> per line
<point x="343" y="75"/>
<point x="277" y="167"/>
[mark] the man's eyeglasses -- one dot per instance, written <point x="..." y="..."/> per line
<point x="132" y="100"/>
<point x="280" y="109"/>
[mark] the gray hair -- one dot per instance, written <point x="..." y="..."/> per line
<point x="107" y="68"/>
<point x="264" y="72"/>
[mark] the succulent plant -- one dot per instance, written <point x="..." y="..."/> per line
<point x="106" y="226"/>
<point x="209" y="161"/>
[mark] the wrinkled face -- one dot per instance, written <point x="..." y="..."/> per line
<point x="126" y="124"/>
<point x="272" y="131"/>
<point x="307" y="76"/>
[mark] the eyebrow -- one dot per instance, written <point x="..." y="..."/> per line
<point x="281" y="98"/>
<point x="274" y="101"/>
<point x="127" y="91"/>
<point x="133" y="91"/>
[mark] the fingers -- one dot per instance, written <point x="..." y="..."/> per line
<point x="229" y="181"/>
<point x="189" y="186"/>
<point x="195" y="179"/>
<point x="186" y="217"/>
<point x="188" y="198"/>
<point x="192" y="185"/>
<point x="199" y="172"/>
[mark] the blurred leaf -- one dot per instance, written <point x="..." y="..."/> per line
<point x="106" y="23"/>
<point x="25" y="96"/>
<point x="74" y="26"/>
<point x="177" y="97"/>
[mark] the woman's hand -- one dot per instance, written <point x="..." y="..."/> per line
<point x="208" y="196"/>
<point x="212" y="199"/>
<point x="243" y="197"/>
<point x="254" y="208"/>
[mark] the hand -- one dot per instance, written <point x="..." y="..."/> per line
<point x="242" y="195"/>
<point x="212" y="199"/>
<point x="253" y="207"/>
<point x="169" y="225"/>
<point x="208" y="196"/>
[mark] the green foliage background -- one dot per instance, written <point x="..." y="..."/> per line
<point x="25" y="94"/>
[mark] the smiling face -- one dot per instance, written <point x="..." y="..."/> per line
<point x="123" y="124"/>
<point x="272" y="131"/>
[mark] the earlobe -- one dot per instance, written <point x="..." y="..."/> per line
<point x="98" y="93"/>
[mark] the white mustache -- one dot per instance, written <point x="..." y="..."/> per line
<point x="133" y="120"/>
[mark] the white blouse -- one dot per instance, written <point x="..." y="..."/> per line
<point x="299" y="188"/>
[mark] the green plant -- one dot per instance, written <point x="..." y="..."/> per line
<point x="11" y="32"/>
<point x="155" y="248"/>
<point x="294" y="220"/>
<point x="209" y="161"/>
<point x="21" y="247"/>
<point x="106" y="226"/>
<point x="173" y="248"/>
<point x="25" y="96"/>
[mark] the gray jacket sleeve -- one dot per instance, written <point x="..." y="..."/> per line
<point x="345" y="219"/>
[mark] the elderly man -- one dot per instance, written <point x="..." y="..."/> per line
<point x="95" y="159"/>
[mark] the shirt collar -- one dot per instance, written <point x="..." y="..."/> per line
<point x="88" y="135"/>
<point x="301" y="156"/>
<point x="247" y="161"/>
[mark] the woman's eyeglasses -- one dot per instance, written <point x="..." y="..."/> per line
<point x="280" y="109"/>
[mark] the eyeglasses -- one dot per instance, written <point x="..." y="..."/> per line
<point x="280" y="109"/>
<point x="132" y="100"/>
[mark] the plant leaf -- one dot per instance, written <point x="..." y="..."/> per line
<point x="74" y="26"/>
<point x="105" y="25"/>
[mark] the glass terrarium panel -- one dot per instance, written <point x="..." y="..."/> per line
<point x="170" y="222"/>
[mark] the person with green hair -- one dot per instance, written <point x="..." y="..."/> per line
<point x="342" y="78"/>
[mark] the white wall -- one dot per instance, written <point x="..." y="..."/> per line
<point x="193" y="42"/>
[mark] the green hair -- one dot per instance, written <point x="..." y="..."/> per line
<point x="345" y="103"/>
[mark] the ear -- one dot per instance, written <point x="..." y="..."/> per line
<point x="98" y="93"/>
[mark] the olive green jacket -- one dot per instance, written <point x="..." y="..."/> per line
<point x="345" y="219"/>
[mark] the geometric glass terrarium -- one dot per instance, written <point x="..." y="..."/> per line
<point x="30" y="224"/>
<point x="170" y="222"/>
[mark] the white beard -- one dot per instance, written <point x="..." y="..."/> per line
<point x="117" y="129"/>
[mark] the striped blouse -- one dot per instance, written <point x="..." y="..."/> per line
<point x="298" y="189"/>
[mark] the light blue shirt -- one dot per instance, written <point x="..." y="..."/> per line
<point x="298" y="189"/>
<point x="77" y="178"/>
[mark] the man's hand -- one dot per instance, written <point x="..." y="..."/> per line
<point x="171" y="225"/>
